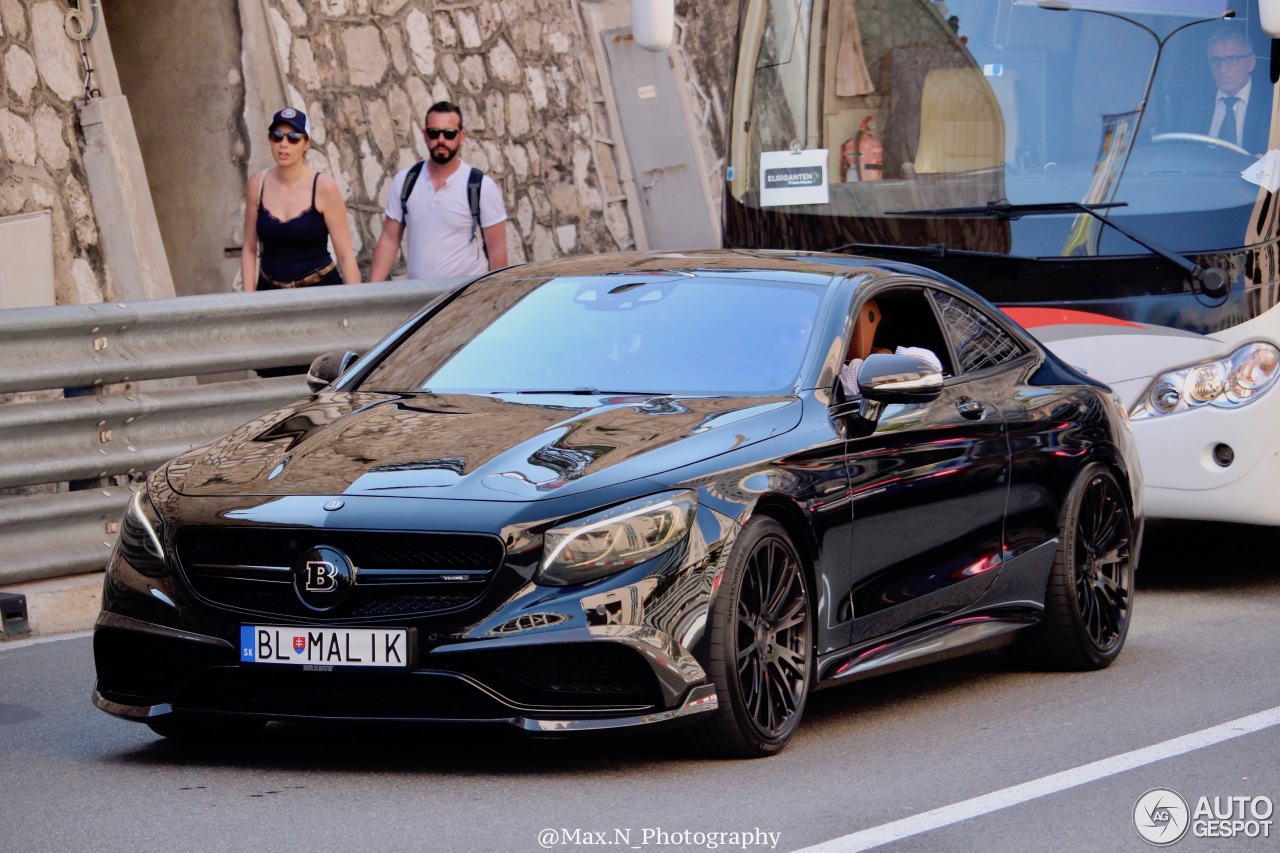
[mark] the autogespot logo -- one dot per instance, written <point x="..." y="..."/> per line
<point x="1161" y="816"/>
<point x="806" y="176"/>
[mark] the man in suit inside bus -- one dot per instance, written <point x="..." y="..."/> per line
<point x="1240" y="112"/>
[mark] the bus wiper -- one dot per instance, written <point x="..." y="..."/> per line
<point x="1213" y="281"/>
<point x="937" y="250"/>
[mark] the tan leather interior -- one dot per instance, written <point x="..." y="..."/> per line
<point x="961" y="125"/>
<point x="864" y="330"/>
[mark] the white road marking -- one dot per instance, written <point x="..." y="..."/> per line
<point x="1012" y="796"/>
<point x="35" y="641"/>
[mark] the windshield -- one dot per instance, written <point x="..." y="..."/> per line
<point x="859" y="113"/>
<point x="644" y="334"/>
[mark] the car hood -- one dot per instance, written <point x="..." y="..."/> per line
<point x="471" y="446"/>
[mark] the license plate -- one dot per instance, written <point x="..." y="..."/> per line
<point x="324" y="648"/>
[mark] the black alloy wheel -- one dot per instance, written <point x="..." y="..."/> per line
<point x="761" y="653"/>
<point x="1089" y="602"/>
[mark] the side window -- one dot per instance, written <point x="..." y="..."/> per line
<point x="898" y="317"/>
<point x="978" y="342"/>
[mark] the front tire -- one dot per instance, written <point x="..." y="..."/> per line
<point x="1089" y="602"/>
<point x="761" y="646"/>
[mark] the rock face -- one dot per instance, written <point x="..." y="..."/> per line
<point x="40" y="159"/>
<point x="525" y="81"/>
<point x="523" y="71"/>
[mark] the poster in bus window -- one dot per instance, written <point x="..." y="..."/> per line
<point x="1117" y="137"/>
<point x="794" y="177"/>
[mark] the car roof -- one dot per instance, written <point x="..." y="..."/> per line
<point x="812" y="268"/>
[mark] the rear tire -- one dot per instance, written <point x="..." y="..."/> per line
<point x="200" y="729"/>
<point x="761" y="646"/>
<point x="1089" y="602"/>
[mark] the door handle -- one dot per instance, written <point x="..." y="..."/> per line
<point x="971" y="408"/>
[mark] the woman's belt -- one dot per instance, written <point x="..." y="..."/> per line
<point x="314" y="278"/>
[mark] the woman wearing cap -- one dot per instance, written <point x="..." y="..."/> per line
<point x="293" y="211"/>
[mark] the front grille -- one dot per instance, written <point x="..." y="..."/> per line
<point x="562" y="674"/>
<point x="398" y="574"/>
<point x="148" y="668"/>
<point x="259" y="546"/>
<point x="338" y="694"/>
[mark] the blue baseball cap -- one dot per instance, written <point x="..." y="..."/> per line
<point x="296" y="119"/>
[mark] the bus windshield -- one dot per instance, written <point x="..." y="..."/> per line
<point x="881" y="121"/>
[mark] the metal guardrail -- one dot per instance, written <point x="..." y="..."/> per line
<point x="89" y="348"/>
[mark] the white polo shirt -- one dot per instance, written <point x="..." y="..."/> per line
<point x="438" y="243"/>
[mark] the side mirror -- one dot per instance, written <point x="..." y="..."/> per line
<point x="653" y="23"/>
<point x="328" y="367"/>
<point x="1269" y="17"/>
<point x="885" y="379"/>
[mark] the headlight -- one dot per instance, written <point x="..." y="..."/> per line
<point x="140" y="536"/>
<point x="615" y="539"/>
<point x="1226" y="383"/>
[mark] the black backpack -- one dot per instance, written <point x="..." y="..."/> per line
<point x="473" y="199"/>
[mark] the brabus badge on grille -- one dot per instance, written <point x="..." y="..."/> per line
<point x="323" y="578"/>
<point x="334" y="504"/>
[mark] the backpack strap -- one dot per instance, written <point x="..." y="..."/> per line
<point x="409" y="180"/>
<point x="473" y="199"/>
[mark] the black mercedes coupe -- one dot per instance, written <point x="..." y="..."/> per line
<point x="633" y="490"/>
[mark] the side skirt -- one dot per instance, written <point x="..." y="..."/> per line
<point x="960" y="636"/>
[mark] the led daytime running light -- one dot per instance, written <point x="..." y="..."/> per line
<point x="152" y="542"/>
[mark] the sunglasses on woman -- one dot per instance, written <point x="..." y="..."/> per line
<point x="436" y="132"/>
<point x="293" y="136"/>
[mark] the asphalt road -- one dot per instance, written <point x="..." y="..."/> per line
<point x="965" y="755"/>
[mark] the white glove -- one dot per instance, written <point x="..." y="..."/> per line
<point x="849" y="378"/>
<point x="922" y="354"/>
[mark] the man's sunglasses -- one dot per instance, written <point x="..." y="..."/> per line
<point x="448" y="133"/>
<point x="280" y="136"/>
<point x="1229" y="61"/>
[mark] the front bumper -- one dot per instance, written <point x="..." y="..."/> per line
<point x="620" y="651"/>
<point x="625" y="678"/>
<point x="1183" y="478"/>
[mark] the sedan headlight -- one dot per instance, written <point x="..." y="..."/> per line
<point x="141" y="543"/>
<point x="616" y="538"/>
<point x="1226" y="383"/>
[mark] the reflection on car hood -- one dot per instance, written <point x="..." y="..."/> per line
<point x="473" y="447"/>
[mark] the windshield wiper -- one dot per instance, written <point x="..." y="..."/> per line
<point x="1212" y="280"/>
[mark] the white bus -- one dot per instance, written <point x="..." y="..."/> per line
<point x="1076" y="163"/>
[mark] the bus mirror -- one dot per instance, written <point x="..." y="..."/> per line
<point x="652" y="23"/>
<point x="1269" y="17"/>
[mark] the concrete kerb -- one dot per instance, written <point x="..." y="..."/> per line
<point x="60" y="605"/>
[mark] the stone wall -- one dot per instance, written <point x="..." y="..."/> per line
<point x="706" y="33"/>
<point x="366" y="71"/>
<point x="524" y="72"/>
<point x="41" y="167"/>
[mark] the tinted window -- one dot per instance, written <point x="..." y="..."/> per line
<point x="652" y="334"/>
<point x="978" y="342"/>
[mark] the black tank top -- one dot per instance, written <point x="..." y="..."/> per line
<point x="294" y="249"/>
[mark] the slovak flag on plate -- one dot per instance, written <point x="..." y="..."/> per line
<point x="299" y="645"/>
